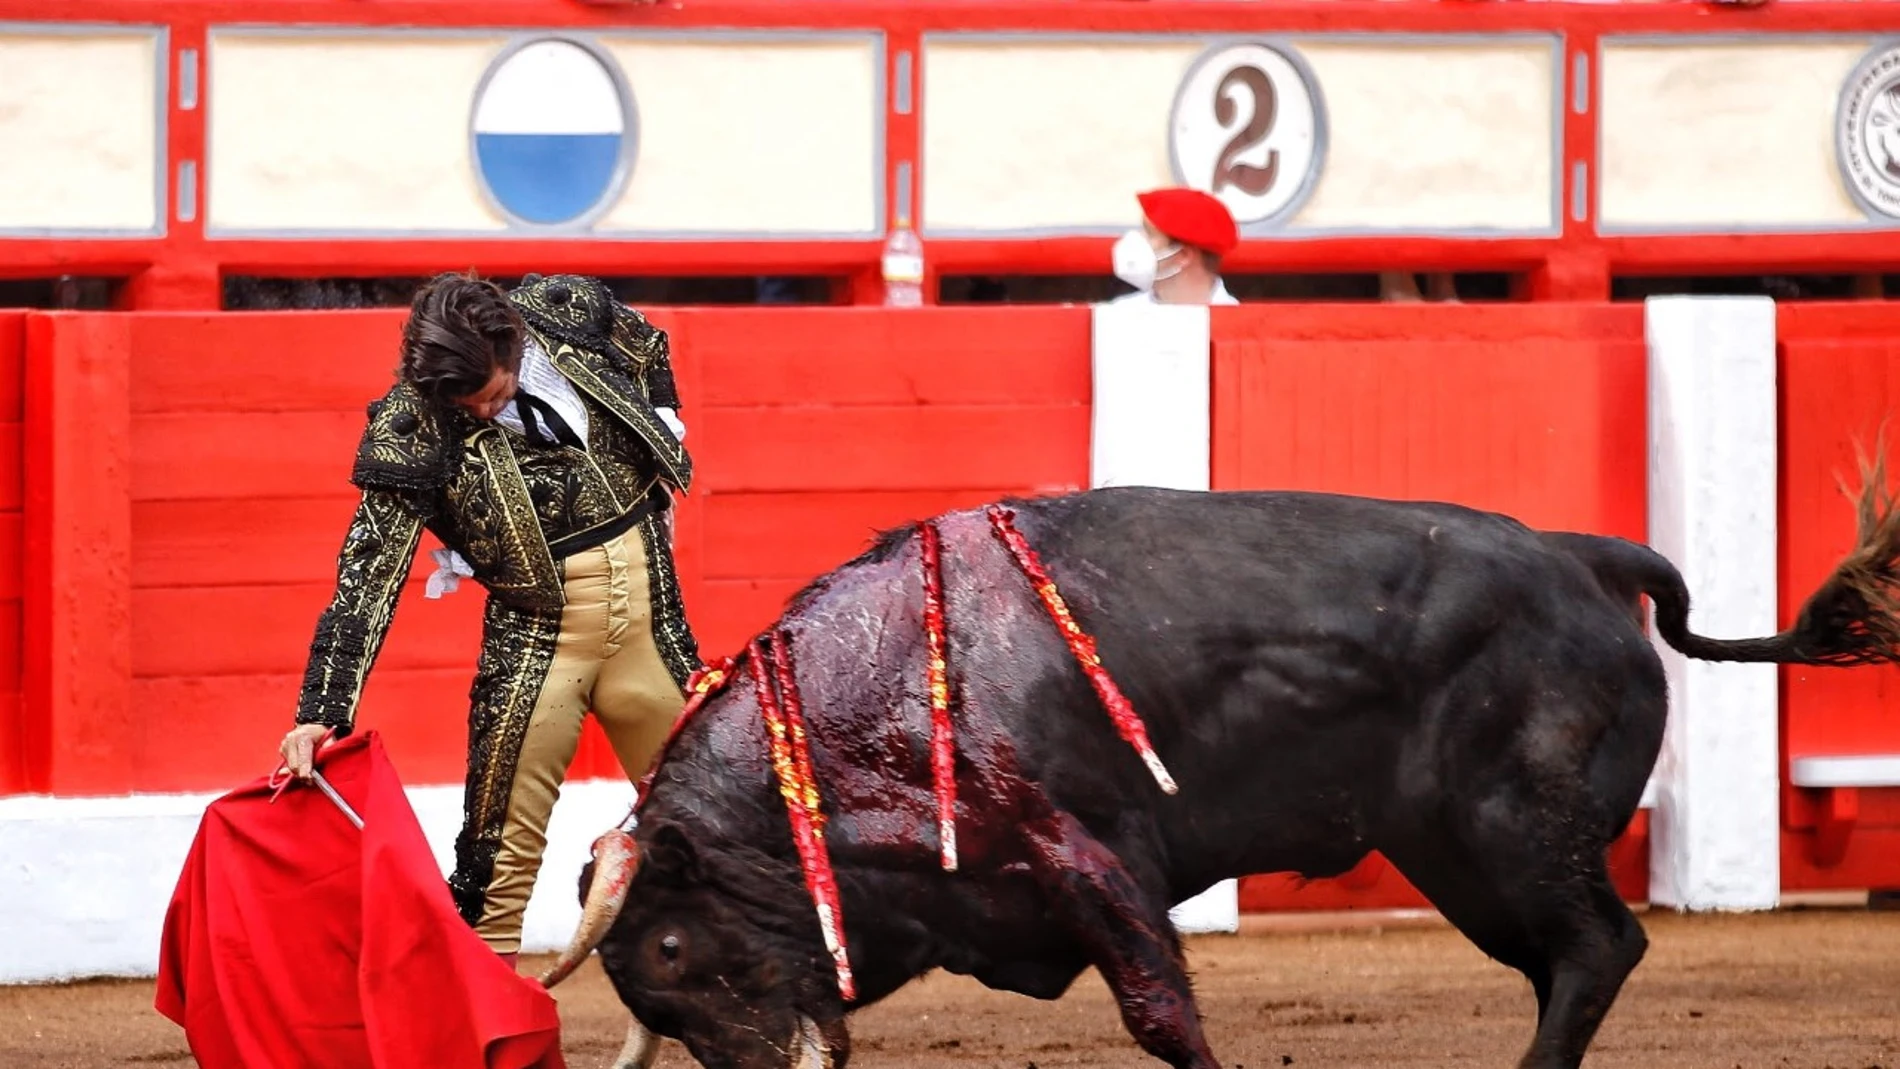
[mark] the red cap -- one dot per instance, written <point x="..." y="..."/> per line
<point x="1191" y="217"/>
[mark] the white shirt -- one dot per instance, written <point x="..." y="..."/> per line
<point x="1219" y="296"/>
<point x="540" y="377"/>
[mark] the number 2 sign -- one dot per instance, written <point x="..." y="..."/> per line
<point x="1248" y="127"/>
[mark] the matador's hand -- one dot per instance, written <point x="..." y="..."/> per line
<point x="299" y="748"/>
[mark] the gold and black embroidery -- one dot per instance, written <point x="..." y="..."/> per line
<point x="572" y="308"/>
<point x="611" y="388"/>
<point x="517" y="652"/>
<point x="408" y="445"/>
<point x="671" y="633"/>
<point x="499" y="504"/>
<point x="643" y="351"/>
<point x="377" y="553"/>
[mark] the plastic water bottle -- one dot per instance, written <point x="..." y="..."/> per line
<point x="903" y="268"/>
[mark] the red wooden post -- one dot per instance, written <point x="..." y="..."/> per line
<point x="12" y="542"/>
<point x="77" y="675"/>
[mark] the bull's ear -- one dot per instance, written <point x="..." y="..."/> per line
<point x="587" y="879"/>
<point x="672" y="853"/>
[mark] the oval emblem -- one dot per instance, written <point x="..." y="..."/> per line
<point x="553" y="133"/>
<point x="1867" y="132"/>
<point x="1248" y="126"/>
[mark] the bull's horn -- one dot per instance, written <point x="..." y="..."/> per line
<point x="809" y="1050"/>
<point x="640" y="1050"/>
<point x="616" y="859"/>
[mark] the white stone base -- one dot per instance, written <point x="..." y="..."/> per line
<point x="1713" y="450"/>
<point x="84" y="882"/>
<point x="1216" y="909"/>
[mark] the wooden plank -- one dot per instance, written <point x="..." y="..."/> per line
<point x="729" y="612"/>
<point x="1833" y="392"/>
<point x="264" y="362"/>
<point x="12" y="368"/>
<point x="1551" y="434"/>
<point x="12" y="467"/>
<point x="265" y="630"/>
<point x="77" y="596"/>
<point x="243" y="455"/>
<point x="856" y="356"/>
<point x="10" y="646"/>
<point x="1511" y="324"/>
<point x="931" y="447"/>
<point x="800" y="535"/>
<point x="13" y="774"/>
<point x="238" y="541"/>
<point x="234" y="723"/>
<point x="12" y="550"/>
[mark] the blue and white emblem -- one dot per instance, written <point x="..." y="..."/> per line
<point x="553" y="133"/>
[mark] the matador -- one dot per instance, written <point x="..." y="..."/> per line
<point x="535" y="432"/>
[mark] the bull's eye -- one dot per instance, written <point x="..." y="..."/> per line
<point x="664" y="956"/>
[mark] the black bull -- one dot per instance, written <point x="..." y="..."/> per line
<point x="1324" y="676"/>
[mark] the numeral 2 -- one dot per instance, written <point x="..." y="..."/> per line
<point x="1248" y="178"/>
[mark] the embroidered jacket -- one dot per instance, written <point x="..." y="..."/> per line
<point x="498" y="501"/>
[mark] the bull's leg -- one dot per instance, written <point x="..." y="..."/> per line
<point x="1546" y="908"/>
<point x="641" y="1049"/>
<point x="1127" y="937"/>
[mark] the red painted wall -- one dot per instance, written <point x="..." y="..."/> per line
<point x="207" y="553"/>
<point x="1840" y="380"/>
<point x="1532" y="410"/>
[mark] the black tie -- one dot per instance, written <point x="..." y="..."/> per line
<point x="535" y="413"/>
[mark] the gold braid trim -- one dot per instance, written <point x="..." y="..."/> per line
<point x="378" y="551"/>
<point x="671" y="633"/>
<point x="517" y="653"/>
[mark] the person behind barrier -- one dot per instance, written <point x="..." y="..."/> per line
<point x="1175" y="256"/>
<point x="534" y="431"/>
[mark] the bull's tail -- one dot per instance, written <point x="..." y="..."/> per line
<point x="1852" y="618"/>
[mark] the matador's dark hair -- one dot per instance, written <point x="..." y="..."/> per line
<point x="461" y="328"/>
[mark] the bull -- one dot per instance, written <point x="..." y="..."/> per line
<point x="1323" y="675"/>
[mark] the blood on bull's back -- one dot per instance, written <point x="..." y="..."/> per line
<point x="1318" y="676"/>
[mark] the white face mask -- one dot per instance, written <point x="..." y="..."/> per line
<point x="1136" y="261"/>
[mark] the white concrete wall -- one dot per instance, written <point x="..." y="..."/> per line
<point x="1423" y="134"/>
<point x="1737" y="133"/>
<point x="84" y="882"/>
<point x="81" y="143"/>
<point x="752" y="137"/>
<point x="1715" y="836"/>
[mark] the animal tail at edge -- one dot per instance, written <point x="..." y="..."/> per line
<point x="1852" y="618"/>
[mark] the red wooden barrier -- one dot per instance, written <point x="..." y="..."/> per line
<point x="12" y="548"/>
<point x="81" y="734"/>
<point x="193" y="469"/>
<point x="1840" y="380"/>
<point x="1532" y="410"/>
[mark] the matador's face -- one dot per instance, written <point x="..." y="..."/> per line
<point x="487" y="402"/>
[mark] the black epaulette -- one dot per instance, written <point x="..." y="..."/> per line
<point x="575" y="309"/>
<point x="638" y="345"/>
<point x="407" y="445"/>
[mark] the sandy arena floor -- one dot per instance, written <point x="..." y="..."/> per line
<point x="1811" y="989"/>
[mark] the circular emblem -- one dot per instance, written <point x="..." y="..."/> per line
<point x="553" y="132"/>
<point x="1248" y="126"/>
<point x="1867" y="132"/>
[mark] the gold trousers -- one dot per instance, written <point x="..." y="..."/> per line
<point x="603" y="658"/>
